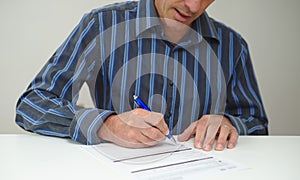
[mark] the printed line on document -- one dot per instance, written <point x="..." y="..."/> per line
<point x="168" y="165"/>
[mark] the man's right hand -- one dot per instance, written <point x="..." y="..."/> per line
<point x="134" y="129"/>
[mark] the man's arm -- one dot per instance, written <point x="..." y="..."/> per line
<point x="244" y="105"/>
<point x="48" y="105"/>
<point x="244" y="113"/>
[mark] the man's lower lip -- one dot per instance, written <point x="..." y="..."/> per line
<point x="180" y="17"/>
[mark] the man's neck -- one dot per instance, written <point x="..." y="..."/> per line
<point x="175" y="31"/>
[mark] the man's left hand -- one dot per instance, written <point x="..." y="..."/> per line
<point x="210" y="128"/>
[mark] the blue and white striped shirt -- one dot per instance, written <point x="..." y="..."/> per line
<point x="121" y="50"/>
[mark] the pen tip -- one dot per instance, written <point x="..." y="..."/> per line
<point x="173" y="140"/>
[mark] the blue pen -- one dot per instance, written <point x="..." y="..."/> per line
<point x="141" y="104"/>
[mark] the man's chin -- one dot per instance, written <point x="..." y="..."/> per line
<point x="176" y="24"/>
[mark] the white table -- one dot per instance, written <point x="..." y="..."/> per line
<point x="30" y="157"/>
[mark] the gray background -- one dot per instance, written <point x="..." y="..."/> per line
<point x="32" y="30"/>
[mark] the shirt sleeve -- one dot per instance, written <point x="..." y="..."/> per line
<point x="48" y="106"/>
<point x="244" y="104"/>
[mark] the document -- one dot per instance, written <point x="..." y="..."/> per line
<point x="163" y="161"/>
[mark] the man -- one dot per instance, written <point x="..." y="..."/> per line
<point x="194" y="72"/>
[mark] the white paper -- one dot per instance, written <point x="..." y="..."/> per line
<point x="164" y="161"/>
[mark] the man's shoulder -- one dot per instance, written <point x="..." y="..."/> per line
<point x="120" y="6"/>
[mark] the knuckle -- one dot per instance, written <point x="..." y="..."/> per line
<point x="158" y="118"/>
<point x="201" y="127"/>
<point x="205" y="117"/>
<point x="234" y="132"/>
<point x="138" y="111"/>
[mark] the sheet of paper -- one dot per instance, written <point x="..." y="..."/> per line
<point x="164" y="161"/>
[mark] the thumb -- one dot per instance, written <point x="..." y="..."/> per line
<point x="187" y="133"/>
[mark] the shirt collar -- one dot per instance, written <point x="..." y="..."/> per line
<point x="205" y="27"/>
<point x="147" y="18"/>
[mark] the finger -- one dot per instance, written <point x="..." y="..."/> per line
<point x="134" y="144"/>
<point x="213" y="124"/>
<point x="146" y="141"/>
<point x="154" y="134"/>
<point x="157" y="120"/>
<point x="132" y="139"/>
<point x="200" y="135"/>
<point x="210" y="137"/>
<point x="223" y="136"/>
<point x="138" y="140"/>
<point x="208" y="146"/>
<point x="233" y="138"/>
<point x="187" y="133"/>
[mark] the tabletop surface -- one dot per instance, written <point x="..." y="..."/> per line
<point x="31" y="156"/>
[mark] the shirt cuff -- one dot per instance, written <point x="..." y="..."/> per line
<point x="86" y="123"/>
<point x="238" y="123"/>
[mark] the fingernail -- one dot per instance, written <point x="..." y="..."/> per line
<point x="219" y="146"/>
<point x="207" y="147"/>
<point x="230" y="146"/>
<point x="198" y="146"/>
<point x="179" y="138"/>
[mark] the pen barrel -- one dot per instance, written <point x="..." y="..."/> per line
<point x="142" y="104"/>
<point x="169" y="136"/>
<point x="146" y="108"/>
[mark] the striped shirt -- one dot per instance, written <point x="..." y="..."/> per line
<point x="121" y="50"/>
